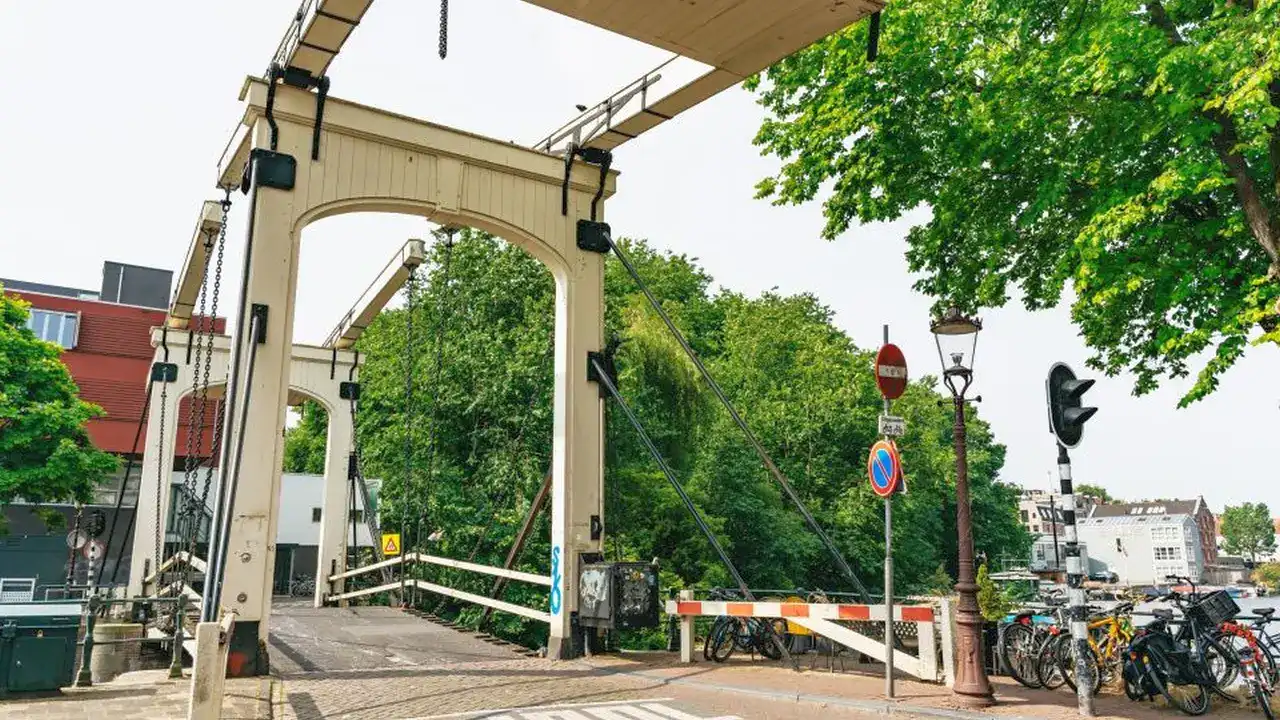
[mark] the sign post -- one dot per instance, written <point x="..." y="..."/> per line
<point x="891" y="378"/>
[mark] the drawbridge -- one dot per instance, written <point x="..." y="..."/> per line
<point x="302" y="154"/>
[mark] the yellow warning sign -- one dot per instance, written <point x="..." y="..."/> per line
<point x="391" y="543"/>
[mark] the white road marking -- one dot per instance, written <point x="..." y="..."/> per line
<point x="618" y="710"/>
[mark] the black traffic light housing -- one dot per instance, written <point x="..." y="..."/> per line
<point x="1066" y="414"/>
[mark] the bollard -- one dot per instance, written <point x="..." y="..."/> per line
<point x="85" y="677"/>
<point x="686" y="631"/>
<point x="179" y="616"/>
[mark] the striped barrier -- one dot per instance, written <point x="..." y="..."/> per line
<point x="822" y="611"/>
<point x="825" y="619"/>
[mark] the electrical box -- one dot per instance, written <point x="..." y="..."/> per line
<point x="618" y="596"/>
<point x="37" y="646"/>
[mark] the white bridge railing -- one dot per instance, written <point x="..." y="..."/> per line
<point x="414" y="557"/>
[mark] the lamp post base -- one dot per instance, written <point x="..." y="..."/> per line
<point x="972" y="688"/>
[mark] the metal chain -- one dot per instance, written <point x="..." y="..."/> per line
<point x="444" y="28"/>
<point x="195" y="408"/>
<point x="160" y="480"/>
<point x="410" y="286"/>
<point x="435" y="379"/>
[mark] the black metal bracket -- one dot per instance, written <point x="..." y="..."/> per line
<point x="333" y="363"/>
<point x="605" y="359"/>
<point x="259" y="312"/>
<point x="597" y="527"/>
<point x="299" y="78"/>
<point x="349" y="390"/>
<point x="165" y="372"/>
<point x="594" y="236"/>
<point x="273" y="74"/>
<point x="270" y="169"/>
<point x="594" y="156"/>
<point x="353" y="466"/>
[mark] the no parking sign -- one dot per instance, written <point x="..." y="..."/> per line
<point x="884" y="468"/>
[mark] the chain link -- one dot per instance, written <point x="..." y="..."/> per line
<point x="161" y="478"/>
<point x="444" y="28"/>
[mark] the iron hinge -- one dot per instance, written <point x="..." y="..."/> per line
<point x="594" y="236"/>
<point x="349" y="390"/>
<point x="165" y="372"/>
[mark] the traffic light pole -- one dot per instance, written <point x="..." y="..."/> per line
<point x="1076" y="610"/>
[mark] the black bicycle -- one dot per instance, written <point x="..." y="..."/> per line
<point x="1158" y="664"/>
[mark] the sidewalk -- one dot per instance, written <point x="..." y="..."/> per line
<point x="141" y="695"/>
<point x="861" y="687"/>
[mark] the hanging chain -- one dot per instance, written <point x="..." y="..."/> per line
<point x="195" y="406"/>
<point x="161" y="478"/>
<point x="410" y="286"/>
<point x="435" y="378"/>
<point x="444" y="28"/>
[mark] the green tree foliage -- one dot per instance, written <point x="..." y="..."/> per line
<point x="1096" y="491"/>
<point x="992" y="601"/>
<point x="1247" y="530"/>
<point x="1127" y="152"/>
<point x="304" y="443"/>
<point x="479" y="431"/>
<point x="1268" y="575"/>
<point x="45" y="451"/>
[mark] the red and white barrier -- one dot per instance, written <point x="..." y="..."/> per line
<point x="824" y="619"/>
<point x="791" y="611"/>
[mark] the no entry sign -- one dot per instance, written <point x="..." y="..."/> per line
<point x="884" y="467"/>
<point x="891" y="371"/>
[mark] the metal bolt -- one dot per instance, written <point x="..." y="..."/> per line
<point x="245" y="557"/>
<point x="242" y="597"/>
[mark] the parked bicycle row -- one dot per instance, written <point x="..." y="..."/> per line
<point x="1188" y="648"/>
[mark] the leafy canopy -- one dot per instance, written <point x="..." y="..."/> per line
<point x="45" y="451"/>
<point x="479" y="433"/>
<point x="1248" y="530"/>
<point x="1096" y="491"/>
<point x="1122" y="155"/>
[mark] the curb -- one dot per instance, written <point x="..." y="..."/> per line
<point x="880" y="707"/>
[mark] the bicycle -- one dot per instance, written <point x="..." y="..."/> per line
<point x="1257" y="679"/>
<point x="1156" y="663"/>
<point x="1109" y="636"/>
<point x="1022" y="637"/>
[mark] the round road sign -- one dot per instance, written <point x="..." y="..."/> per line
<point x="884" y="468"/>
<point x="891" y="371"/>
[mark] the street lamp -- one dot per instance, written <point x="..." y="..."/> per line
<point x="956" y="336"/>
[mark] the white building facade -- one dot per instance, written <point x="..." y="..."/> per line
<point x="1145" y="543"/>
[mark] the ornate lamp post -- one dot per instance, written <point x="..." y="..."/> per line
<point x="956" y="336"/>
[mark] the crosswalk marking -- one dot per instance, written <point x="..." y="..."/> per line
<point x="623" y="710"/>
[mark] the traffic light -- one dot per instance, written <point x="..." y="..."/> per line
<point x="1066" y="415"/>
<point x="96" y="523"/>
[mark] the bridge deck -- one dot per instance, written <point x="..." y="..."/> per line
<point x="309" y="640"/>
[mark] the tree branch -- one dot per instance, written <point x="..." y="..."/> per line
<point x="1160" y="18"/>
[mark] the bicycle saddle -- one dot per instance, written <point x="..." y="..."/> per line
<point x="1162" y="613"/>
<point x="1264" y="613"/>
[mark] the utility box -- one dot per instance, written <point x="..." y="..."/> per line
<point x="618" y="596"/>
<point x="37" y="646"/>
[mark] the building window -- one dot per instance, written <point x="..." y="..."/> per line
<point x="1168" y="553"/>
<point x="357" y="516"/>
<point x="315" y="518"/>
<point x="1025" y="519"/>
<point x="1165" y="533"/>
<point x="59" y="328"/>
<point x="108" y="492"/>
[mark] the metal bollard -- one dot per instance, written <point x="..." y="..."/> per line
<point x="85" y="676"/>
<point x="179" y="615"/>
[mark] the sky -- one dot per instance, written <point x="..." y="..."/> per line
<point x="112" y="118"/>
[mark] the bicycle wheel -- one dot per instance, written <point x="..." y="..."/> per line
<point x="1066" y="661"/>
<point x="724" y="641"/>
<point x="1189" y="699"/>
<point x="1017" y="652"/>
<point x="1222" y="660"/>
<point x="1263" y="696"/>
<point x="711" y="635"/>
<point x="1047" y="671"/>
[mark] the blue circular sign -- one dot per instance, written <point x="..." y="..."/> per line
<point x="883" y="468"/>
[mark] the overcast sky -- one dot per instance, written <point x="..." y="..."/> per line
<point x="112" y="117"/>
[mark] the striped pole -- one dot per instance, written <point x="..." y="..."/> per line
<point x="1076" y="605"/>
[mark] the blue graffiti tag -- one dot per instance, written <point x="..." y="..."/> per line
<point x="554" y="600"/>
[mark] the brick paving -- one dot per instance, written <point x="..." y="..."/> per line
<point x="370" y="663"/>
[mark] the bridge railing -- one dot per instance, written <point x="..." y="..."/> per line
<point x="425" y="559"/>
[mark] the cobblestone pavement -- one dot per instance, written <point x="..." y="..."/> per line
<point x="143" y="695"/>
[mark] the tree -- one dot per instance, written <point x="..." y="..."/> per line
<point x="992" y="602"/>
<point x="474" y="445"/>
<point x="1248" y="530"/>
<point x="305" y="443"/>
<point x="1268" y="575"/>
<point x="1096" y="491"/>
<point x="45" y="452"/>
<point x="1123" y="154"/>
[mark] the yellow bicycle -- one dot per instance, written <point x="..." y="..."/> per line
<point x="1109" y="638"/>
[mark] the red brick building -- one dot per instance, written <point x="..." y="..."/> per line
<point x="106" y="341"/>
